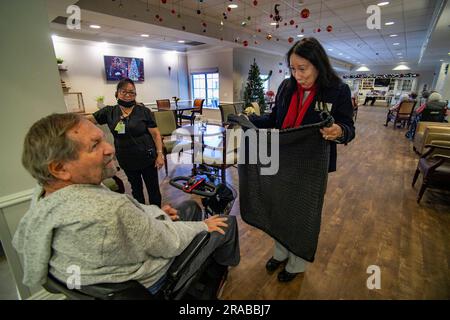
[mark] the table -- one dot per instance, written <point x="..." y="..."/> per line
<point x="178" y="110"/>
<point x="195" y="131"/>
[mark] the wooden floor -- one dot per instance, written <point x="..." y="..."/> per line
<point x="370" y="217"/>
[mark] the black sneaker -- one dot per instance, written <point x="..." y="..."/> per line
<point x="273" y="264"/>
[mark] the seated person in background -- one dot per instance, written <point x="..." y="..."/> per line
<point x="437" y="108"/>
<point x="370" y="96"/>
<point x="74" y="220"/>
<point x="403" y="97"/>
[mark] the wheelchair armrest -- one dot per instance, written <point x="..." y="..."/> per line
<point x="191" y="251"/>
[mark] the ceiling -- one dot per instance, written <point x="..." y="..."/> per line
<point x="421" y="27"/>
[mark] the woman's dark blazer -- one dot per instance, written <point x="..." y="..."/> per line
<point x="342" y="111"/>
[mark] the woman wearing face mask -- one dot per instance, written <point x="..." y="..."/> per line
<point x="137" y="141"/>
<point x="312" y="80"/>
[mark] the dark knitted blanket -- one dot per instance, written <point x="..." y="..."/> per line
<point x="288" y="205"/>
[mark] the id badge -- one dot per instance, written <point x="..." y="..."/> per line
<point x="120" y="127"/>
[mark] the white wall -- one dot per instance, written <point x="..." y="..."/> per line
<point x="221" y="59"/>
<point x="243" y="58"/>
<point x="443" y="82"/>
<point x="30" y="85"/>
<point x="86" y="71"/>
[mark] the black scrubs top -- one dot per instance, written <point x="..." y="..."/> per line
<point x="135" y="149"/>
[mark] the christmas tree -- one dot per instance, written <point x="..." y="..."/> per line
<point x="254" y="90"/>
<point x="134" y="71"/>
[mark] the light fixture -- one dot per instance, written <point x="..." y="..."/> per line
<point x="181" y="41"/>
<point x="363" y="68"/>
<point x="442" y="60"/>
<point x="389" y="23"/>
<point x="300" y="35"/>
<point x="399" y="54"/>
<point x="94" y="26"/>
<point x="340" y="53"/>
<point x="395" y="44"/>
<point x="329" y="49"/>
<point x="273" y="23"/>
<point x="393" y="35"/>
<point x="144" y="35"/>
<point x="383" y="3"/>
<point x="232" y="6"/>
<point x="401" y="67"/>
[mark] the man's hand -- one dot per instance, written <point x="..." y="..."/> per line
<point x="171" y="212"/>
<point x="215" y="223"/>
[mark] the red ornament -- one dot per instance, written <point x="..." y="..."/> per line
<point x="280" y="71"/>
<point x="271" y="16"/>
<point x="318" y="30"/>
<point x="303" y="30"/>
<point x="204" y="24"/>
<point x="285" y="23"/>
<point x="292" y="22"/>
<point x="329" y="28"/>
<point x="199" y="12"/>
<point x="183" y="27"/>
<point x="245" y="43"/>
<point x="259" y="30"/>
<point x="160" y="19"/>
<point x="164" y="1"/>
<point x="296" y="26"/>
<point x="255" y="3"/>
<point x="221" y="39"/>
<point x="173" y="11"/>
<point x="229" y="9"/>
<point x="290" y="39"/>
<point x="157" y="16"/>
<point x="304" y="14"/>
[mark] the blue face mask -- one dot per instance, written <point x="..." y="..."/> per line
<point x="126" y="104"/>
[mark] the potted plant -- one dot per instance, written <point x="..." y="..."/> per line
<point x="100" y="101"/>
<point x="60" y="61"/>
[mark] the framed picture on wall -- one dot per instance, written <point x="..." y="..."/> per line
<point x="74" y="102"/>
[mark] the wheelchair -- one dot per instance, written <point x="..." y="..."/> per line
<point x="205" y="284"/>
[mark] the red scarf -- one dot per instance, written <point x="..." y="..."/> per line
<point x="297" y="108"/>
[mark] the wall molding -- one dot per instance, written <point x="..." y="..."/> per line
<point x="16" y="198"/>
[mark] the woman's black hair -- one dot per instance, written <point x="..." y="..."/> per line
<point x="311" y="50"/>
<point x="122" y="84"/>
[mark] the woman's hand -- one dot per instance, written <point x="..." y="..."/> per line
<point x="332" y="133"/>
<point x="159" y="162"/>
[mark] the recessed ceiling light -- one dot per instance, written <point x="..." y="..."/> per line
<point x="340" y="53"/>
<point x="442" y="60"/>
<point x="94" y="26"/>
<point x="363" y="68"/>
<point x="389" y="23"/>
<point x="393" y="35"/>
<point x="232" y="6"/>
<point x="144" y="35"/>
<point x="383" y="3"/>
<point x="273" y="23"/>
<point x="395" y="44"/>
<point x="329" y="49"/>
<point x="300" y="35"/>
<point x="402" y="67"/>
<point x="181" y="41"/>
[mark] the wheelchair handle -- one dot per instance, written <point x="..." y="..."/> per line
<point x="175" y="182"/>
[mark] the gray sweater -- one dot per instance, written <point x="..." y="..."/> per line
<point x="110" y="236"/>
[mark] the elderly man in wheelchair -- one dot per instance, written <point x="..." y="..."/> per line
<point x="83" y="240"/>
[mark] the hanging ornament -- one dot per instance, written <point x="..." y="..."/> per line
<point x="173" y="11"/>
<point x="277" y="18"/>
<point x="271" y="16"/>
<point x="259" y="30"/>
<point x="278" y="39"/>
<point x="249" y="18"/>
<point x="318" y="30"/>
<point x="221" y="39"/>
<point x="160" y="19"/>
<point x="285" y="24"/>
<point x="245" y="43"/>
<point x="256" y="42"/>
<point x="305" y="13"/>
<point x="204" y="24"/>
<point x="329" y="28"/>
<point x="157" y="16"/>
<point x="280" y="71"/>
<point x="184" y="28"/>
<point x="292" y="22"/>
<point x="255" y="3"/>
<point x="164" y="1"/>
<point x="290" y="39"/>
<point x="229" y="9"/>
<point x="243" y="23"/>
<point x="303" y="30"/>
<point x="199" y="11"/>
<point x="178" y="15"/>
<point x="204" y="30"/>
<point x="269" y="37"/>
<point x="296" y="26"/>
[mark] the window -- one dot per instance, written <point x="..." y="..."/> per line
<point x="265" y="83"/>
<point x="206" y="86"/>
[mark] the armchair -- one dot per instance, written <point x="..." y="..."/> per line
<point x="402" y="114"/>
<point x="435" y="167"/>
<point x="198" y="109"/>
<point x="429" y="131"/>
